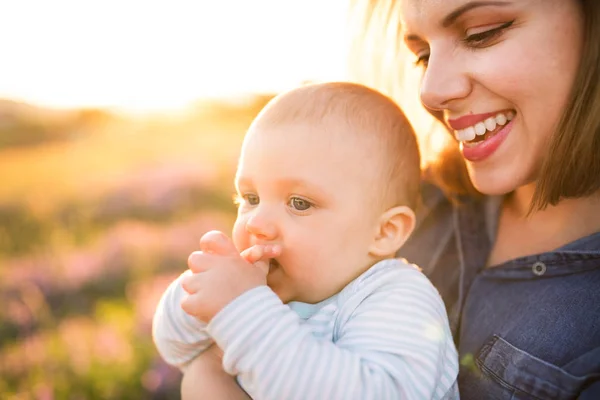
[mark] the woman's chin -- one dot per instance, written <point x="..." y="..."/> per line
<point x="494" y="184"/>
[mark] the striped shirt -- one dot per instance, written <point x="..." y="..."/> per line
<point x="384" y="336"/>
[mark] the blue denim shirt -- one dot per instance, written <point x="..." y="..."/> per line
<point x="526" y="329"/>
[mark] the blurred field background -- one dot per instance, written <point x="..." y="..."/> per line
<point x="98" y="212"/>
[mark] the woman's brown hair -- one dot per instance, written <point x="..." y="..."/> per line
<point x="571" y="167"/>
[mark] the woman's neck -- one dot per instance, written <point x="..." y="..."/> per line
<point x="520" y="233"/>
<point x="582" y="213"/>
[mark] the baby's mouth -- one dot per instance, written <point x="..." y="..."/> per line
<point x="273" y="265"/>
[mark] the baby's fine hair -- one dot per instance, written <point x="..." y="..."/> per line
<point x="359" y="110"/>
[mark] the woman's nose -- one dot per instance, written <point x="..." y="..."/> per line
<point x="262" y="225"/>
<point x="444" y="81"/>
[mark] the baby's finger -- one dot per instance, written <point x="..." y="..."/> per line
<point x="253" y="254"/>
<point x="262" y="252"/>
<point x="200" y="261"/>
<point x="190" y="305"/>
<point x="191" y="283"/>
<point x="263" y="265"/>
<point x="218" y="243"/>
<point x="271" y="251"/>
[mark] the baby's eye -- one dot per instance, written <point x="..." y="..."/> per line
<point x="245" y="199"/>
<point x="299" y="204"/>
<point x="251" y="199"/>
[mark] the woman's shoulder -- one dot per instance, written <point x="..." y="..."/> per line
<point x="444" y="227"/>
<point x="431" y="245"/>
<point x="434" y="226"/>
<point x="432" y="196"/>
<point x="440" y="212"/>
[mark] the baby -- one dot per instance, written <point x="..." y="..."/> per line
<point x="316" y="306"/>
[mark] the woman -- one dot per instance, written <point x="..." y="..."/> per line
<point x="510" y="228"/>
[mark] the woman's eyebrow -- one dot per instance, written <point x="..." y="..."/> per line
<point x="453" y="16"/>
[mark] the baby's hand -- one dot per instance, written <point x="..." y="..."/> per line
<point x="221" y="274"/>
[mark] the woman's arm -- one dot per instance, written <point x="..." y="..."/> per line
<point x="204" y="378"/>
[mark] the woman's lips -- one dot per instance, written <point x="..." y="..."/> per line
<point x="484" y="149"/>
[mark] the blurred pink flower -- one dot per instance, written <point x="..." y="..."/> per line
<point x="144" y="296"/>
<point x="110" y="346"/>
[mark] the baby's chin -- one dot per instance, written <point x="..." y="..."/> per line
<point x="284" y="295"/>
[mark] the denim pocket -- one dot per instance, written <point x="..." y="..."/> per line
<point x="525" y="375"/>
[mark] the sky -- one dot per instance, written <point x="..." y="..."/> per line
<point x="163" y="54"/>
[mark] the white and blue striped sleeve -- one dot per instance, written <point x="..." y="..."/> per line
<point x="395" y="345"/>
<point x="178" y="337"/>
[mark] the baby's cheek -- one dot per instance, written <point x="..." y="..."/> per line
<point x="239" y="235"/>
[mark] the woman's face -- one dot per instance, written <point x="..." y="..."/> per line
<point x="501" y="72"/>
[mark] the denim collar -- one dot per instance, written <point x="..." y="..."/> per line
<point x="475" y="222"/>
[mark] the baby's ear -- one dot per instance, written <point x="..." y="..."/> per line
<point x="394" y="228"/>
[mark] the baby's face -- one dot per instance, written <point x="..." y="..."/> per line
<point x="311" y="192"/>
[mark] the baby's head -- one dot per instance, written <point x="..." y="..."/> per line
<point x="331" y="173"/>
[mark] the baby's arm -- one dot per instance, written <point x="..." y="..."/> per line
<point x="178" y="336"/>
<point x="395" y="344"/>
<point x="204" y="379"/>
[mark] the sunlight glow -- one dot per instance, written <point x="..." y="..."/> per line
<point x="163" y="54"/>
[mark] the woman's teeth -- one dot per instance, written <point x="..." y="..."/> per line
<point x="481" y="128"/>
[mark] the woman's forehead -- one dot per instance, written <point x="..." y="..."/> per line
<point x="416" y="14"/>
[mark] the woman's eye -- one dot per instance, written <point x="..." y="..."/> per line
<point x="481" y="39"/>
<point x="299" y="204"/>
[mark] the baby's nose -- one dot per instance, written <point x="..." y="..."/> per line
<point x="262" y="226"/>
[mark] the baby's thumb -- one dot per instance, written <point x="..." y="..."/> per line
<point x="217" y="242"/>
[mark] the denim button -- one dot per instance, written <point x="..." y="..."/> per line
<point x="539" y="268"/>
